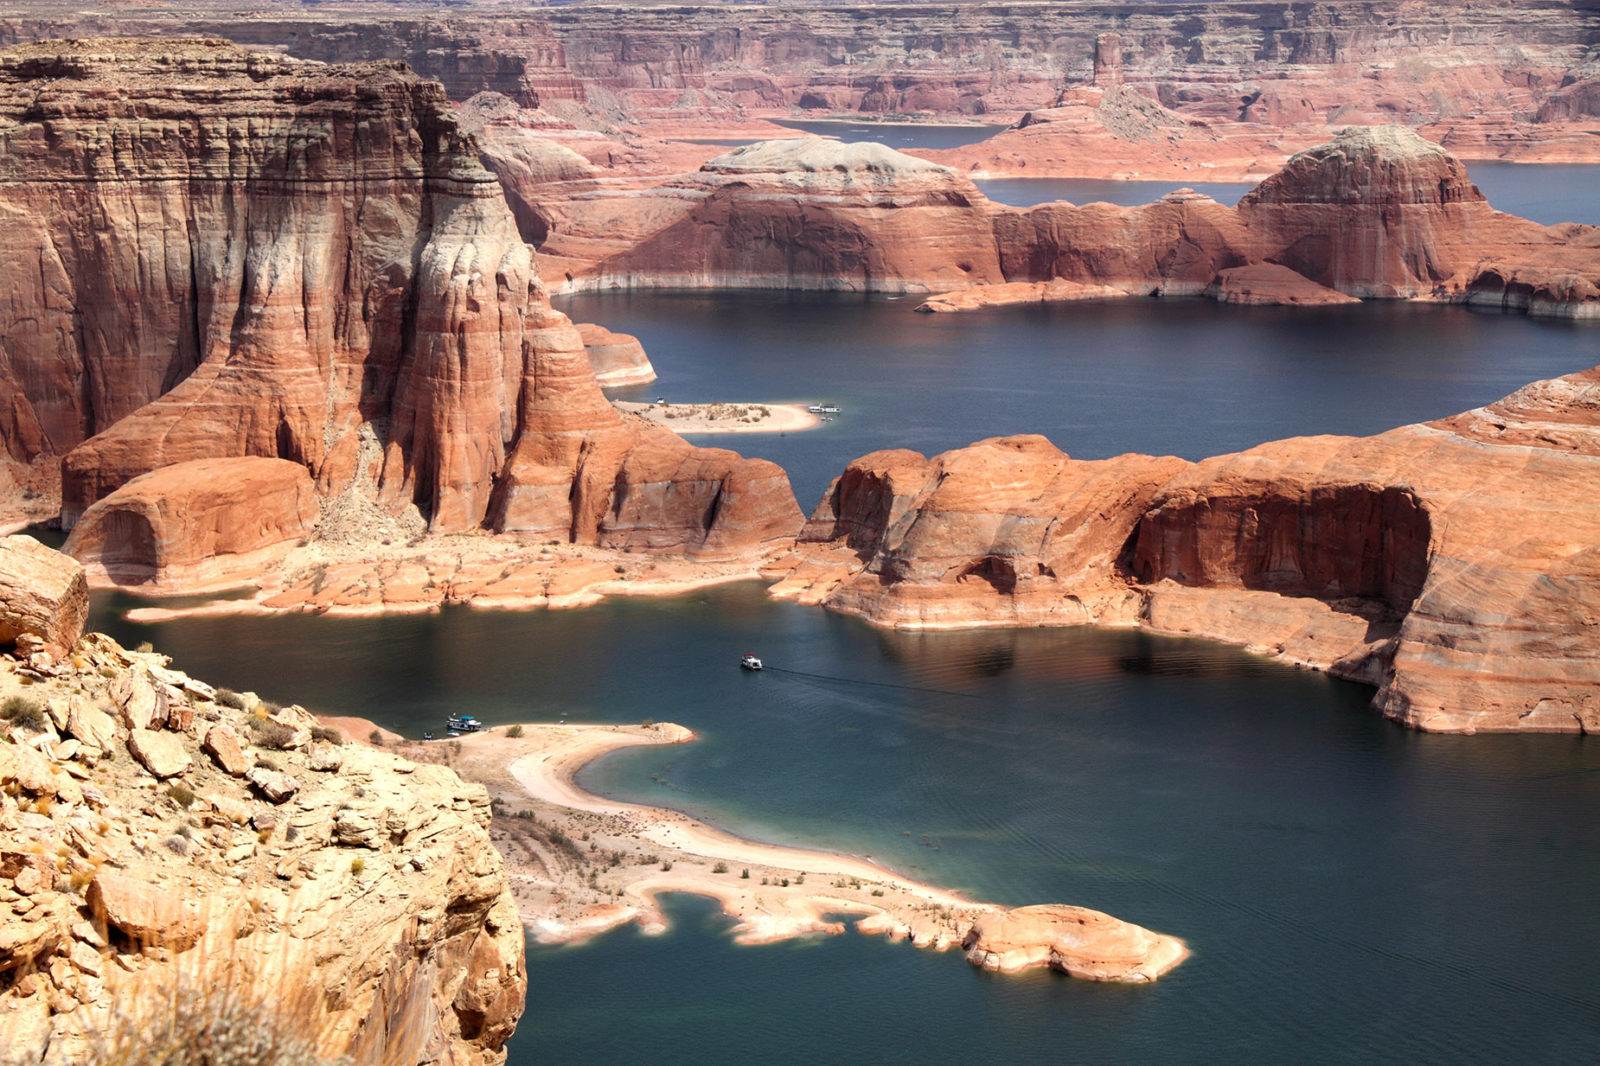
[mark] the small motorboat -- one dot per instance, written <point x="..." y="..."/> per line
<point x="823" y="408"/>
<point x="464" y="723"/>
<point x="750" y="662"/>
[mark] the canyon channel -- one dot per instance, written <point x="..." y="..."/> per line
<point x="1329" y="870"/>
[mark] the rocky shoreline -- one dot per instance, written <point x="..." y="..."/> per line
<point x="580" y="865"/>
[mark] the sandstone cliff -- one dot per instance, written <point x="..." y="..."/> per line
<point x="1375" y="212"/>
<point x="219" y="253"/>
<point x="167" y="849"/>
<point x="1452" y="565"/>
<point x="1269" y="76"/>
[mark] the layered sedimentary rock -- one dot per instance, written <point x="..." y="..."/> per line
<point x="1485" y="84"/>
<point x="43" y="594"/>
<point x="201" y="524"/>
<point x="214" y="252"/>
<point x="805" y="213"/>
<point x="1375" y="212"/>
<point x="172" y="854"/>
<point x="1453" y="565"/>
<point x="617" y="358"/>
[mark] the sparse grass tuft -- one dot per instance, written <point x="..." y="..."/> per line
<point x="270" y="734"/>
<point x="29" y="712"/>
<point x="327" y="733"/>
<point x="229" y="698"/>
<point x="515" y="731"/>
<point x="182" y="795"/>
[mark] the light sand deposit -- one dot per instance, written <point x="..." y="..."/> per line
<point x="725" y="417"/>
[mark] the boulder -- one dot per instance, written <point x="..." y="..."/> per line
<point x="226" y="750"/>
<point x="91" y="725"/>
<point x="163" y="754"/>
<point x="274" y="786"/>
<point x="143" y="705"/>
<point x="325" y="758"/>
<point x="27" y="769"/>
<point x="42" y="593"/>
<point x="146" y="908"/>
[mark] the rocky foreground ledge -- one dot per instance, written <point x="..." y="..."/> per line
<point x="167" y="848"/>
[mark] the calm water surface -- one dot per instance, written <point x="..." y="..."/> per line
<point x="897" y="135"/>
<point x="1182" y="377"/>
<point x="1352" y="891"/>
<point x="1544" y="193"/>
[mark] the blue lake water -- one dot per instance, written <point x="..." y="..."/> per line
<point x="1544" y="193"/>
<point x="1180" y="377"/>
<point x="1352" y="891"/>
<point x="897" y="135"/>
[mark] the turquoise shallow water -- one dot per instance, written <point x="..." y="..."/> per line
<point x="1352" y="891"/>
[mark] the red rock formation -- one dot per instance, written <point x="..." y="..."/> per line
<point x="1373" y="213"/>
<point x="332" y="259"/>
<point x="1453" y="565"/>
<point x="811" y="213"/>
<point x="192" y="526"/>
<point x="1271" y="283"/>
<point x="617" y="358"/>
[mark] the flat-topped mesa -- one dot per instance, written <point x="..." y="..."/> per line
<point x="218" y="253"/>
<point x="818" y="167"/>
<point x="1377" y="212"/>
<point x="806" y="213"/>
<point x="1454" y="566"/>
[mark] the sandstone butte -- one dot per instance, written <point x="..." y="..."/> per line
<point x="215" y="254"/>
<point x="1452" y="565"/>
<point x="168" y="849"/>
<point x="1238" y="86"/>
<point x="1374" y="213"/>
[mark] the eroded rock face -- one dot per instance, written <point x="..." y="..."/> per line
<point x="812" y="213"/>
<point x="43" y="594"/>
<point x="1376" y="212"/>
<point x="617" y="358"/>
<point x="199" y="524"/>
<point x="1452" y="565"/>
<point x="106" y="910"/>
<point x="371" y="280"/>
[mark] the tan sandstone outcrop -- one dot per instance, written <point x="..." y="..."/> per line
<point x="43" y="594"/>
<point x="242" y="255"/>
<point x="203" y="524"/>
<point x="365" y="907"/>
<point x="1072" y="940"/>
<point x="1453" y="565"/>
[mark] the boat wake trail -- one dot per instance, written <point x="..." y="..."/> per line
<point x="870" y="684"/>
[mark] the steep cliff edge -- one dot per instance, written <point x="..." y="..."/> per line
<point x="212" y="253"/>
<point x="1452" y="565"/>
<point x="169" y="849"/>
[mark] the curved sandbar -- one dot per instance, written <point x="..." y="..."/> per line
<point x="581" y="864"/>
<point x="724" y="417"/>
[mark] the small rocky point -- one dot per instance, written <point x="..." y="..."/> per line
<point x="156" y="832"/>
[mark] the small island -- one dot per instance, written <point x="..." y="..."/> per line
<point x="725" y="417"/>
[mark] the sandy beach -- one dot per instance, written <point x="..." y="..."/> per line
<point x="725" y="417"/>
<point x="581" y="864"/>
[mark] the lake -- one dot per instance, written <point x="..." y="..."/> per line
<point x="1351" y="891"/>
<point x="1547" y="193"/>
<point x="1184" y="377"/>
